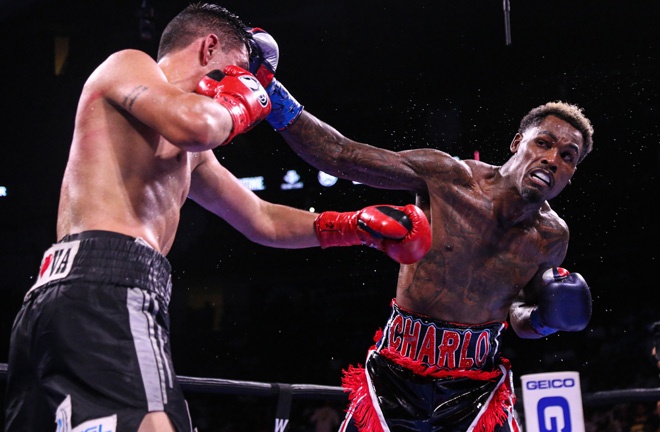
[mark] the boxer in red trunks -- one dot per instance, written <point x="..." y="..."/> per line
<point x="497" y="247"/>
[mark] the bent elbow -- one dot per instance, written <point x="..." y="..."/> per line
<point x="201" y="131"/>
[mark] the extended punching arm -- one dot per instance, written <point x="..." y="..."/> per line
<point x="403" y="233"/>
<point x="264" y="57"/>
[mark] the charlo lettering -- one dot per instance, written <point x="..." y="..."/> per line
<point x="450" y="348"/>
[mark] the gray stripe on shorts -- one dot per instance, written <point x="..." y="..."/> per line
<point x="147" y="338"/>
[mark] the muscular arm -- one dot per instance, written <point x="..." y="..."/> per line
<point x="219" y="191"/>
<point x="325" y="148"/>
<point x="132" y="81"/>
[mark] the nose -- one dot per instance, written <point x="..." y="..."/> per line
<point x="551" y="160"/>
<point x="551" y="166"/>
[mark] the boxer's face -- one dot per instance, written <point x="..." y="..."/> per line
<point x="546" y="158"/>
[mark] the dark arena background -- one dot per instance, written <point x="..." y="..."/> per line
<point x="457" y="76"/>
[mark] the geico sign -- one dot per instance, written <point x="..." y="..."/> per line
<point x="550" y="384"/>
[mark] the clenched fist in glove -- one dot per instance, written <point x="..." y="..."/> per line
<point x="564" y="303"/>
<point x="241" y="93"/>
<point x="403" y="233"/>
<point x="264" y="57"/>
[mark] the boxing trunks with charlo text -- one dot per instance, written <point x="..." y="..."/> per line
<point x="90" y="345"/>
<point x="424" y="375"/>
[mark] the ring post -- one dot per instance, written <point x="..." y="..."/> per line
<point x="283" y="406"/>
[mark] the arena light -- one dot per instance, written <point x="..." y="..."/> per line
<point x="326" y="179"/>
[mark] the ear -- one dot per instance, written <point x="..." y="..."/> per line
<point x="210" y="47"/>
<point x="515" y="143"/>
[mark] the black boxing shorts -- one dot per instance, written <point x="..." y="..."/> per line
<point x="424" y="375"/>
<point x="90" y="347"/>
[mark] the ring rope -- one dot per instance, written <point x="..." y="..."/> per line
<point x="286" y="392"/>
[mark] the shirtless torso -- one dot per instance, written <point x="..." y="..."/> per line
<point x="493" y="229"/>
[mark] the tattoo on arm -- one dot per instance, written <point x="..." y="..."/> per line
<point x="132" y="96"/>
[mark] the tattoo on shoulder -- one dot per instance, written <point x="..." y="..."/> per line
<point x="130" y="98"/>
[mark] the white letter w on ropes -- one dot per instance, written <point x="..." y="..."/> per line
<point x="280" y="424"/>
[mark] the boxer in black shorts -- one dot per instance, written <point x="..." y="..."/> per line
<point x="101" y="300"/>
<point x="92" y="338"/>
<point x="90" y="347"/>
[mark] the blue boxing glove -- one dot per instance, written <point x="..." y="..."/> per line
<point x="564" y="303"/>
<point x="264" y="58"/>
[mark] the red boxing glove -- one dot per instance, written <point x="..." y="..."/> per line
<point x="241" y="93"/>
<point x="403" y="233"/>
<point x="564" y="302"/>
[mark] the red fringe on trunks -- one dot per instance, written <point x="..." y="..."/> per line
<point x="354" y="381"/>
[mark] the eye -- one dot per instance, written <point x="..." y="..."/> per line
<point x="542" y="143"/>
<point x="569" y="156"/>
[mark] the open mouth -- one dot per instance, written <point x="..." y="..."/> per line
<point x="543" y="177"/>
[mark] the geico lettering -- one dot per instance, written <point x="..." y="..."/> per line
<point x="551" y="383"/>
